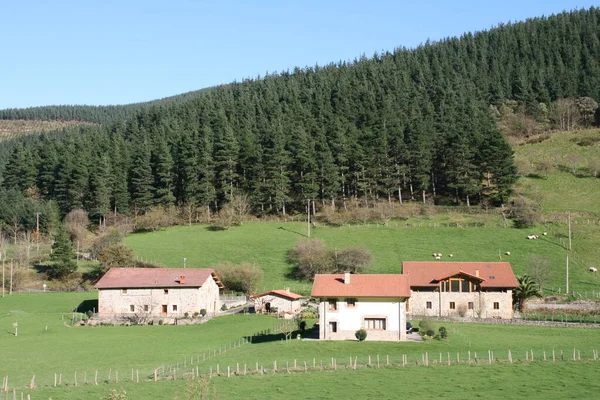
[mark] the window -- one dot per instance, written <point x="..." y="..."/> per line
<point x="123" y="291"/>
<point x="332" y="326"/>
<point x="454" y="285"/>
<point x="350" y="302"/>
<point x="470" y="305"/>
<point x="465" y="286"/>
<point x="146" y="307"/>
<point x="166" y="291"/>
<point x="452" y="305"/>
<point x="174" y="307"/>
<point x="428" y="305"/>
<point x="496" y="305"/>
<point x="375" y="323"/>
<point x="332" y="304"/>
<point x="131" y="308"/>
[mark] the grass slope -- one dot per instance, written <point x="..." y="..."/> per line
<point x="267" y="244"/>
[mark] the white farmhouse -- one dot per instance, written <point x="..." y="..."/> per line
<point x="282" y="300"/>
<point x="374" y="302"/>
<point x="158" y="292"/>
<point x="465" y="289"/>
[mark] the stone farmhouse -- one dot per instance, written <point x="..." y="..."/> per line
<point x="374" y="302"/>
<point x="282" y="300"/>
<point x="158" y="292"/>
<point x="466" y="289"/>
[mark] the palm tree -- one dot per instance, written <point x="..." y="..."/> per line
<point x="527" y="288"/>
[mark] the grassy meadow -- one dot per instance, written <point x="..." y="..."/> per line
<point x="267" y="244"/>
<point x="528" y="380"/>
<point x="63" y="349"/>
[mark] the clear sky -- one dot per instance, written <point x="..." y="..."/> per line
<point x="124" y="51"/>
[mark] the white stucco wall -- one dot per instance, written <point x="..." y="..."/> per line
<point x="483" y="304"/>
<point x="351" y="319"/>
<point x="190" y="300"/>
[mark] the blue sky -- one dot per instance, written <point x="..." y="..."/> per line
<point x="125" y="51"/>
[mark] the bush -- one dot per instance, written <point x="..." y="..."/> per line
<point x="311" y="257"/>
<point x="361" y="335"/>
<point x="203" y="312"/>
<point x="110" y="237"/>
<point x="425" y="325"/>
<point x="116" y="255"/>
<point x="443" y="332"/>
<point x="245" y="277"/>
<point x="224" y="307"/>
<point x="430" y="332"/>
<point x="160" y="322"/>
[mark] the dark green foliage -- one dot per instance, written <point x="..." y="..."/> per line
<point x="527" y="289"/>
<point x="430" y="332"/>
<point x="443" y="332"/>
<point x="361" y="335"/>
<point x="62" y="255"/>
<point x="415" y="122"/>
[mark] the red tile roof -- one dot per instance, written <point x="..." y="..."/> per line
<point x="282" y="293"/>
<point x="156" y="278"/>
<point x="428" y="274"/>
<point x="368" y="285"/>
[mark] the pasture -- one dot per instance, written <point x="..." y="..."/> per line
<point x="537" y="380"/>
<point x="268" y="243"/>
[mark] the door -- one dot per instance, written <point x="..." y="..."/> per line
<point x="164" y="310"/>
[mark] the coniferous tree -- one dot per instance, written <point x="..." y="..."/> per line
<point x="62" y="255"/>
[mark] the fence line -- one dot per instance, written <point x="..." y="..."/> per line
<point x="424" y="359"/>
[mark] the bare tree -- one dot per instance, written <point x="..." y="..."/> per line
<point x="565" y="114"/>
<point x="539" y="269"/>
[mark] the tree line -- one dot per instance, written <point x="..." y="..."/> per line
<point x="414" y="124"/>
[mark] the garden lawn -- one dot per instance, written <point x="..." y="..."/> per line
<point x="268" y="243"/>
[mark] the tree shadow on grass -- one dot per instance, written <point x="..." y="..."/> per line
<point x="289" y="230"/>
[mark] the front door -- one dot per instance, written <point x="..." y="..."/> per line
<point x="164" y="310"/>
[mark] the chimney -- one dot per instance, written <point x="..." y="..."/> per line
<point x="182" y="279"/>
<point x="477" y="273"/>
<point x="346" y="278"/>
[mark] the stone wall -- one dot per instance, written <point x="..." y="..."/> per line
<point x="482" y="302"/>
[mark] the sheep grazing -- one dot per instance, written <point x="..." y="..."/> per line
<point x="545" y="233"/>
<point x="592" y="269"/>
<point x="438" y="258"/>
<point x="450" y="255"/>
<point x="507" y="253"/>
<point x="440" y="255"/>
<point x="531" y="237"/>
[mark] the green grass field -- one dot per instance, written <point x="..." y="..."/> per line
<point x="527" y="380"/>
<point x="65" y="350"/>
<point x="267" y="244"/>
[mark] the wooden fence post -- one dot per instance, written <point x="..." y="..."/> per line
<point x="96" y="378"/>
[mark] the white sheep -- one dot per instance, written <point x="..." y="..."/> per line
<point x="450" y="255"/>
<point x="438" y="258"/>
<point x="592" y="269"/>
<point x="440" y="255"/>
<point x="545" y="233"/>
<point x="507" y="253"/>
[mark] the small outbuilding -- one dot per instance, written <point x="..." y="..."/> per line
<point x="280" y="300"/>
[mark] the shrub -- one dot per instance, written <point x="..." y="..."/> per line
<point x="361" y="335"/>
<point x="224" y="307"/>
<point x="110" y="237"/>
<point x="203" y="312"/>
<point x="302" y="325"/>
<point x="430" y="332"/>
<point x="425" y="325"/>
<point x="462" y="310"/>
<point x="443" y="332"/>
<point x="116" y="255"/>
<point x="160" y="322"/>
<point x="245" y="277"/>
<point x="186" y="315"/>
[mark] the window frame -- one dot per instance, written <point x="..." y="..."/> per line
<point x="332" y="304"/>
<point x="452" y="305"/>
<point x="132" y="308"/>
<point x="165" y="291"/>
<point x="382" y="321"/>
<point x="123" y="291"/>
<point x="174" y="308"/>
<point x="496" y="305"/>
<point x="428" y="305"/>
<point x="470" y="305"/>
<point x="351" y="302"/>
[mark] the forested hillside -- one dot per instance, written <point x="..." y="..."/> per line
<point x="416" y="124"/>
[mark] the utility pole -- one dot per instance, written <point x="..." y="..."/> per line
<point x="11" y="277"/>
<point x="567" y="289"/>
<point x="308" y="217"/>
<point x="3" y="277"/>
<point x="570" y="248"/>
<point x="37" y="223"/>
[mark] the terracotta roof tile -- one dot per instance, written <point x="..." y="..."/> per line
<point x="426" y="273"/>
<point x="282" y="293"/>
<point x="155" y="278"/>
<point x="368" y="285"/>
